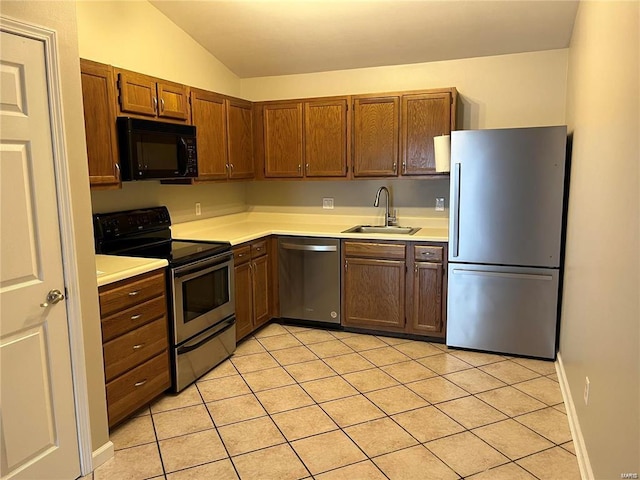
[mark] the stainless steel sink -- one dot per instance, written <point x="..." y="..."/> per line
<point x="382" y="229"/>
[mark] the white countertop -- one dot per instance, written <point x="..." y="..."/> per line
<point x="243" y="227"/>
<point x="111" y="268"/>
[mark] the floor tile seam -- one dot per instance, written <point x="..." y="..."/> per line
<point x="297" y="363"/>
<point x="414" y="358"/>
<point x="424" y="445"/>
<point x="540" y="434"/>
<point x="402" y="411"/>
<point x="533" y="454"/>
<point x="197" y="465"/>
<point x="451" y="466"/>
<point x="514" y="385"/>
<point x="490" y="446"/>
<point x="271" y="349"/>
<point x="358" y="423"/>
<point x="567" y="450"/>
<point x="553" y="445"/>
<point x="175" y="408"/>
<point x="505" y="381"/>
<point x="504" y="384"/>
<point x="224" y="445"/>
<point x="520" y="365"/>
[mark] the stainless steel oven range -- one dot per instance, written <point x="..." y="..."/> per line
<point x="200" y="282"/>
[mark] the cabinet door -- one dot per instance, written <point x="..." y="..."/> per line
<point x="137" y="94"/>
<point x="173" y="101"/>
<point x="208" y="114"/>
<point x="325" y="137"/>
<point x="98" y="96"/>
<point x="423" y="117"/>
<point x="261" y="285"/>
<point x="427" y="299"/>
<point x="240" y="139"/>
<point x="374" y="293"/>
<point x="283" y="140"/>
<point x="375" y="132"/>
<point x="244" y="300"/>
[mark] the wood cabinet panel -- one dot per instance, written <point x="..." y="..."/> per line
<point x="374" y="293"/>
<point x="423" y="117"/>
<point x="283" y="140"/>
<point x="428" y="253"/>
<point x="134" y="317"/>
<point x="427" y="298"/>
<point x="325" y="138"/>
<point x="374" y="250"/>
<point x="137" y="94"/>
<point x="244" y="300"/>
<point x="137" y="387"/>
<point x="172" y="100"/>
<point x="241" y="254"/>
<point x="375" y="130"/>
<point x="261" y="285"/>
<point x="128" y="293"/>
<point x="240" y="139"/>
<point x="208" y="115"/>
<point x="134" y="348"/>
<point x="98" y="96"/>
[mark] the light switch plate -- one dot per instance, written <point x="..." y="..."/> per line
<point x="198" y="209"/>
<point x="439" y="204"/>
<point x="327" y="203"/>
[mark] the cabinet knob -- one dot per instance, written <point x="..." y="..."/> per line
<point x="395" y="167"/>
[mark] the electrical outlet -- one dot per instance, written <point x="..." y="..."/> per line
<point x="586" y="390"/>
<point x="198" y="210"/>
<point x="439" y="204"/>
<point x="327" y="203"/>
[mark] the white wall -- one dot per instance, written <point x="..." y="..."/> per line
<point x="516" y="90"/>
<point x="601" y="311"/>
<point x="137" y="36"/>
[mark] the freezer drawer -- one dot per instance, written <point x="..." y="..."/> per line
<point x="503" y="309"/>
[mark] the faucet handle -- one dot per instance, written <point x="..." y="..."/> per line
<point x="393" y="218"/>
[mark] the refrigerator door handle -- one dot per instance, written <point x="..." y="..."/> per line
<point x="523" y="276"/>
<point x="455" y="209"/>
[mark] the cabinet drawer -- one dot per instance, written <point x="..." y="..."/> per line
<point x="133" y="317"/>
<point x="137" y="387"/>
<point x="241" y="254"/>
<point x="258" y="248"/>
<point x="424" y="253"/>
<point x="374" y="250"/>
<point x="130" y="292"/>
<point x="135" y="347"/>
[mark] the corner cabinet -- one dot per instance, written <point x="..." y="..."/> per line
<point x="99" y="101"/>
<point x="253" y="285"/>
<point x="135" y="344"/>
<point x="395" y="286"/>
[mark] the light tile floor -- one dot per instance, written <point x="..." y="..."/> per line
<point x="295" y="403"/>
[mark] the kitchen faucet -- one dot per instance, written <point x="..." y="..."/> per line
<point x="388" y="218"/>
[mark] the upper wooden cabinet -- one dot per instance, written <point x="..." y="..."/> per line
<point x="402" y="126"/>
<point x="141" y="95"/>
<point x="375" y="136"/>
<point x="98" y="95"/>
<point x="209" y="116"/>
<point x="325" y="138"/>
<point x="283" y="140"/>
<point x="240" y="138"/>
<point x="424" y="116"/>
<point x="224" y="136"/>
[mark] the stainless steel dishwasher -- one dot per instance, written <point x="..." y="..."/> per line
<point x="309" y="270"/>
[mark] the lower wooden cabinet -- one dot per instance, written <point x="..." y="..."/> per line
<point x="135" y="342"/>
<point x="395" y="286"/>
<point x="253" y="285"/>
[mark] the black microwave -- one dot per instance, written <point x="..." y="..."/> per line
<point x="151" y="150"/>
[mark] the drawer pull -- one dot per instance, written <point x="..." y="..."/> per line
<point x="241" y="255"/>
<point x="134" y="293"/>
<point x="140" y="383"/>
<point x="428" y="254"/>
<point x="135" y="317"/>
<point x="258" y="249"/>
<point x="139" y="346"/>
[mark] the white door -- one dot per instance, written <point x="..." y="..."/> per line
<point x="39" y="439"/>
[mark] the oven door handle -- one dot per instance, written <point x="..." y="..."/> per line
<point x="189" y="346"/>
<point x="202" y="267"/>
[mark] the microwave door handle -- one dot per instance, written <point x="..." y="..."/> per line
<point x="182" y="156"/>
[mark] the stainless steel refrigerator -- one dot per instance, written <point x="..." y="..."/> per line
<point x="505" y="239"/>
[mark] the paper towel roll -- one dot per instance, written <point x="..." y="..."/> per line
<point x="442" y="150"/>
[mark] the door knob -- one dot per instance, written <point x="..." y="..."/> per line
<point x="53" y="297"/>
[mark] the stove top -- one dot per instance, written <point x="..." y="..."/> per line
<point x="146" y="233"/>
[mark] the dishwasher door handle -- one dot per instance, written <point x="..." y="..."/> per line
<point x="309" y="248"/>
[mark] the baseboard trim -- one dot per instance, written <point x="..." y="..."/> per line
<point x="578" y="440"/>
<point x="102" y="454"/>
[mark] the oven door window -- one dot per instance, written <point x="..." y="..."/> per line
<point x="205" y="293"/>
